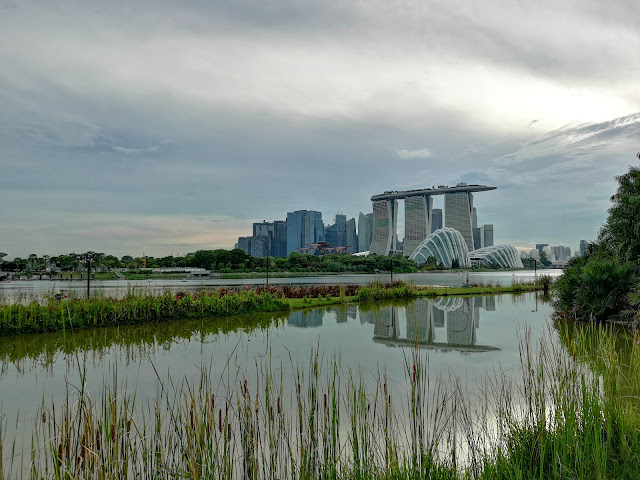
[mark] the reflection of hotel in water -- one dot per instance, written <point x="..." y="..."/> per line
<point x="447" y="323"/>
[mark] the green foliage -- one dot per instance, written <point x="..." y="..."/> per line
<point x="595" y="287"/>
<point x="621" y="232"/>
<point x="76" y="313"/>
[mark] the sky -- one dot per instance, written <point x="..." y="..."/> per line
<point x="158" y="128"/>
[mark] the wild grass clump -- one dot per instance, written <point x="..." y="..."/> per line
<point x="385" y="291"/>
<point x="77" y="313"/>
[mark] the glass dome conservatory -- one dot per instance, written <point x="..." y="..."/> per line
<point x="505" y="256"/>
<point x="446" y="245"/>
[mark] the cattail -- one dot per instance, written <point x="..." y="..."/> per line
<point x="325" y="401"/>
<point x="44" y="417"/>
<point x="97" y="440"/>
<point x="113" y="432"/>
<point x="278" y="405"/>
<point x="220" y="420"/>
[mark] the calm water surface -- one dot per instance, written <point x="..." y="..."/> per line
<point x="11" y="291"/>
<point x="465" y="337"/>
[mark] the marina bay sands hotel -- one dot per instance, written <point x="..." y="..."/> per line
<point x="418" y="208"/>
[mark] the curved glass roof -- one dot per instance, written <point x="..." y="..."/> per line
<point x="506" y="256"/>
<point x="445" y="245"/>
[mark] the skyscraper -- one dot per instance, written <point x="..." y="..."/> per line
<point x="331" y="235"/>
<point x="478" y="238"/>
<point x="365" y="230"/>
<point x="417" y="219"/>
<point x="276" y="231"/>
<point x="341" y="230"/>
<point x="352" y="237"/>
<point x="583" y="248"/>
<point x="487" y="235"/>
<point x="436" y="220"/>
<point x="303" y="227"/>
<point x="457" y="214"/>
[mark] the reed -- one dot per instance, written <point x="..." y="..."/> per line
<point x="570" y="413"/>
<point x="77" y="313"/>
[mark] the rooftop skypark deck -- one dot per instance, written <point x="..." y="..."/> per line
<point x="439" y="190"/>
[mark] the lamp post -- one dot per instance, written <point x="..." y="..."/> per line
<point x="267" y="270"/>
<point x="89" y="257"/>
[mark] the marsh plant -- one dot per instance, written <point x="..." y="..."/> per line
<point x="571" y="412"/>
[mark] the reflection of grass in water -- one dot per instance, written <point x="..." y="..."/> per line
<point x="43" y="348"/>
<point x="559" y="420"/>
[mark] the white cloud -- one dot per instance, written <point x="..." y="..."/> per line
<point x="411" y="154"/>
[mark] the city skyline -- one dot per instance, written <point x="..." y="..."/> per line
<point x="172" y="127"/>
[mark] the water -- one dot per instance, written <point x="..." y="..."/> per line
<point x="10" y="291"/>
<point x="464" y="337"/>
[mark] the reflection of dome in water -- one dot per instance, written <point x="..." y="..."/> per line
<point x="447" y="304"/>
<point x="505" y="256"/>
<point x="445" y="245"/>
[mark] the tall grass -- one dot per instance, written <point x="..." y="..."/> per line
<point x="570" y="413"/>
<point x="76" y="313"/>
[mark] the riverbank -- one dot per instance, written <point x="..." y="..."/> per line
<point x="78" y="313"/>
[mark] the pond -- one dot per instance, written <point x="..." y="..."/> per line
<point x="462" y="337"/>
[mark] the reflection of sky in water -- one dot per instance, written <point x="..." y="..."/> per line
<point x="356" y="335"/>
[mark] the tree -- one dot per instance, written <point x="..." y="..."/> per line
<point x="621" y="232"/>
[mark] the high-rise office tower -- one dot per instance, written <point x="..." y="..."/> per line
<point x="244" y="244"/>
<point x="474" y="218"/>
<point x="352" y="237"/>
<point x="341" y="230"/>
<point x="487" y="235"/>
<point x="385" y="226"/>
<point x="436" y="220"/>
<point x="277" y="233"/>
<point x="478" y="238"/>
<point x="583" y="248"/>
<point x="365" y="231"/>
<point x="457" y="214"/>
<point x="303" y="227"/>
<point x="331" y="235"/>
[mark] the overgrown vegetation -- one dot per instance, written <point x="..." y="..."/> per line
<point x="604" y="284"/>
<point x="571" y="413"/>
<point x="53" y="314"/>
<point x="79" y="313"/>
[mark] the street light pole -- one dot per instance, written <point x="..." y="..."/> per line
<point x="267" y="269"/>
<point x="391" y="269"/>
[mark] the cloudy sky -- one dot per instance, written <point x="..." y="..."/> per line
<point x="166" y="127"/>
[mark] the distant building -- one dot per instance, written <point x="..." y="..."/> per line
<point x="276" y="231"/>
<point x="560" y="253"/>
<point x="487" y="235"/>
<point x="352" y="237"/>
<point x="478" y="237"/>
<point x="244" y="244"/>
<point x="341" y="230"/>
<point x="260" y="245"/>
<point x="331" y="235"/>
<point x="540" y="246"/>
<point x="457" y="214"/>
<point x="583" y="247"/>
<point x="365" y="231"/>
<point x="474" y="218"/>
<point x="436" y="220"/>
<point x="303" y="227"/>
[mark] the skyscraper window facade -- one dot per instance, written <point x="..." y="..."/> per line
<point x="457" y="214"/>
<point x="417" y="219"/>
<point x="352" y="237"/>
<point x="436" y="220"/>
<point x="365" y="231"/>
<point x="303" y="227"/>
<point x="341" y="230"/>
<point x="385" y="227"/>
<point x="487" y="235"/>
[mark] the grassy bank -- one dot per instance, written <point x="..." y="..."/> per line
<point x="567" y="414"/>
<point x="78" y="313"/>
